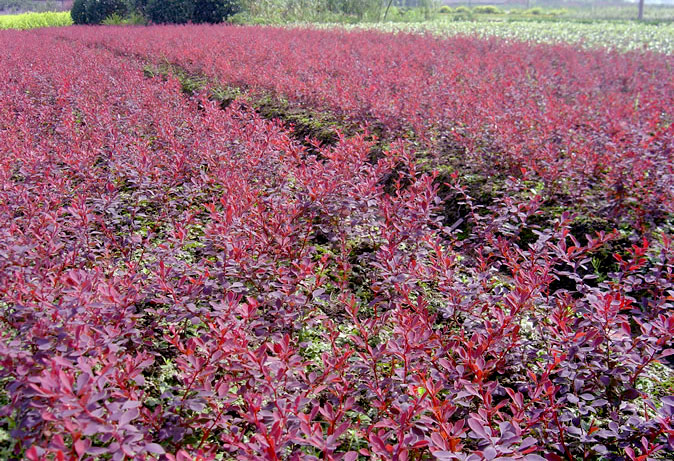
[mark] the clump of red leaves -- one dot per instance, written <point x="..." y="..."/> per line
<point x="179" y="282"/>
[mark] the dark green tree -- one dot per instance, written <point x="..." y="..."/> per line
<point x="79" y="12"/>
<point x="138" y="5"/>
<point x="214" y="11"/>
<point x="170" y="11"/>
<point x="98" y="10"/>
<point x="95" y="11"/>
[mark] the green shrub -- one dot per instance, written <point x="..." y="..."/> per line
<point x="79" y="12"/>
<point x="98" y="10"/>
<point x="33" y="21"/>
<point x="241" y="18"/>
<point x="462" y="13"/>
<point x="487" y="9"/>
<point x="133" y="18"/>
<point x="214" y="11"/>
<point x="170" y="11"/>
<point x="407" y="14"/>
<point x="113" y="20"/>
<point x="444" y="9"/>
<point x="559" y="12"/>
<point x="534" y="11"/>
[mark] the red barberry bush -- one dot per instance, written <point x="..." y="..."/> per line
<point x="181" y="281"/>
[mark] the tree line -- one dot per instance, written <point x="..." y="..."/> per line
<point x="215" y="11"/>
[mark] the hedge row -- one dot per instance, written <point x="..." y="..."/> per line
<point x="156" y="11"/>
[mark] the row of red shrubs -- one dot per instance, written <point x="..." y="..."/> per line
<point x="183" y="282"/>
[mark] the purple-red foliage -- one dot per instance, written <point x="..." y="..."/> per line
<point x="179" y="281"/>
<point x="594" y="127"/>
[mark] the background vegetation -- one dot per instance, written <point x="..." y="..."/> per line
<point x="433" y="13"/>
<point x="35" y="20"/>
<point x="620" y="35"/>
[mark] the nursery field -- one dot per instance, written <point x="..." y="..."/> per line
<point x="269" y="243"/>
<point x="599" y="34"/>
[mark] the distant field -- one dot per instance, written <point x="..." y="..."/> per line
<point x="589" y="28"/>
<point x="605" y="34"/>
<point x="651" y="12"/>
<point x="35" y="20"/>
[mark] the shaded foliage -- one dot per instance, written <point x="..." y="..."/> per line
<point x="95" y="11"/>
<point x="170" y="11"/>
<point x="214" y="11"/>
<point x="79" y="12"/>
